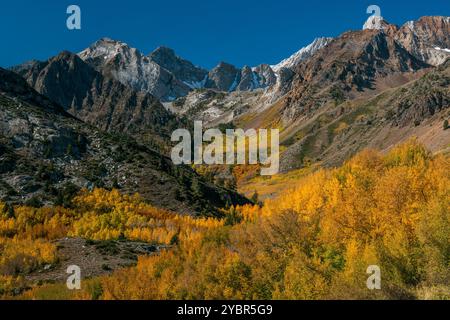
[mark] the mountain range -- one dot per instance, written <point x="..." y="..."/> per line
<point x="103" y="116"/>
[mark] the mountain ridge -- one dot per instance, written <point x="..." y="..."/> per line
<point x="46" y="154"/>
<point x="97" y="98"/>
<point x="322" y="78"/>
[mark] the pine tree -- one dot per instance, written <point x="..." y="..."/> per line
<point x="255" y="197"/>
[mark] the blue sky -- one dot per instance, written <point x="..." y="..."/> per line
<point x="241" y="32"/>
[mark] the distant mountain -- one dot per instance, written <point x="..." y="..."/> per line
<point x="378" y="23"/>
<point x="334" y="133"/>
<point x="97" y="98"/>
<point x="224" y="77"/>
<point x="370" y="88"/>
<point x="357" y="63"/>
<point x="228" y="78"/>
<point x="166" y="75"/>
<point x="46" y="154"/>
<point x="303" y="94"/>
<point x="192" y="76"/>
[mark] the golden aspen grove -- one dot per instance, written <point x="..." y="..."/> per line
<point x="312" y="242"/>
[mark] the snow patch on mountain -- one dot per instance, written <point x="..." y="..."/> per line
<point x="302" y="54"/>
<point x="410" y="25"/>
<point x="197" y="84"/>
<point x="427" y="39"/>
<point x="104" y="48"/>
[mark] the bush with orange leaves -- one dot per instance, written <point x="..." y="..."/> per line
<point x="315" y="241"/>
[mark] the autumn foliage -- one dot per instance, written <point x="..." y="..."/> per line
<point x="313" y="242"/>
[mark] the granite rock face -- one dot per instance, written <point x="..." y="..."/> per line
<point x="95" y="97"/>
<point x="130" y="67"/>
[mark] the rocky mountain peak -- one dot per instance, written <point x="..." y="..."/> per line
<point x="248" y="80"/>
<point x="303" y="54"/>
<point x="15" y="87"/>
<point x="428" y="39"/>
<point x="375" y="23"/>
<point x="96" y="97"/>
<point x="352" y="63"/>
<point x="266" y="75"/>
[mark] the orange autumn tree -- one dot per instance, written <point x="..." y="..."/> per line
<point x="317" y="240"/>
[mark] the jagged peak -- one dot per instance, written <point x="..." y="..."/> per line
<point x="163" y="55"/>
<point x="374" y="23"/>
<point x="169" y="54"/>
<point x="105" y="48"/>
<point x="303" y="53"/>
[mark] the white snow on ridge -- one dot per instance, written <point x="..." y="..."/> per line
<point x="134" y="70"/>
<point x="442" y="49"/>
<point x="374" y="23"/>
<point x="105" y="48"/>
<point x="302" y="54"/>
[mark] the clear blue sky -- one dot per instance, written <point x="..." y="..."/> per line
<point x="204" y="31"/>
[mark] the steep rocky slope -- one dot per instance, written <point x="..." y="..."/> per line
<point x="98" y="99"/>
<point x="46" y="154"/>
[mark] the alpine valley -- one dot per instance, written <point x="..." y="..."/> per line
<point x="85" y="168"/>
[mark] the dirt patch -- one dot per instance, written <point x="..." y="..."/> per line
<point x="94" y="258"/>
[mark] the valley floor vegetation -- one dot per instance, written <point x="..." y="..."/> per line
<point x="312" y="242"/>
